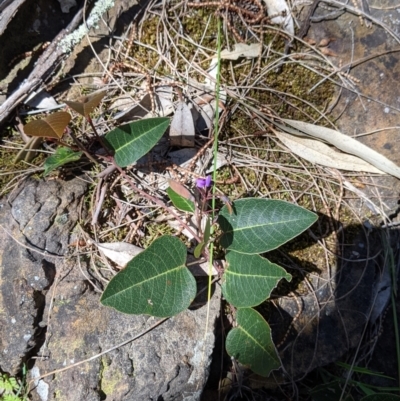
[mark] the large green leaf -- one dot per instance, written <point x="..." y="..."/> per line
<point x="61" y="156"/>
<point x="250" y="279"/>
<point x="260" y="225"/>
<point x="156" y="282"/>
<point x="251" y="343"/>
<point x="132" y="141"/>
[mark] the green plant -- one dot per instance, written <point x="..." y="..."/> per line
<point x="11" y="389"/>
<point x="157" y="282"/>
<point x="128" y="142"/>
<point x="343" y="381"/>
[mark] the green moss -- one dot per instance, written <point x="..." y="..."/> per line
<point x="109" y="377"/>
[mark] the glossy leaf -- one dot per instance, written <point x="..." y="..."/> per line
<point x="250" y="279"/>
<point x="180" y="202"/>
<point x="260" y="225"/>
<point x="156" y="282"/>
<point x="132" y="141"/>
<point x="86" y="104"/>
<point x="251" y="343"/>
<point x="61" y="156"/>
<point x="52" y="126"/>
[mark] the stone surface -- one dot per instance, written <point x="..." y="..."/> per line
<point x="49" y="311"/>
<point x="170" y="362"/>
<point x="39" y="216"/>
<point x="329" y="321"/>
<point x="371" y="105"/>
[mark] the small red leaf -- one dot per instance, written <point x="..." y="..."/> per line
<point x="86" y="104"/>
<point x="52" y="126"/>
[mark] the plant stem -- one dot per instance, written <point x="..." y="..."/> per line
<point x="215" y="149"/>
<point x="82" y="148"/>
<point x="155" y="200"/>
<point x="100" y="139"/>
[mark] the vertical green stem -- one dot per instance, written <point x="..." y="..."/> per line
<point x="216" y="124"/>
<point x="215" y="150"/>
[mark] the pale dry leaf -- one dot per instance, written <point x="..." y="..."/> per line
<point x="221" y="162"/>
<point x="371" y="205"/>
<point x="41" y="100"/>
<point x="211" y="79"/>
<point x="181" y="131"/>
<point x="242" y="50"/>
<point x="282" y="15"/>
<point x="142" y="109"/>
<point x="342" y="142"/>
<point x="318" y="152"/>
<point x="203" y="96"/>
<point x="119" y="252"/>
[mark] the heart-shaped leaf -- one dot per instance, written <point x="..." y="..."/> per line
<point x="132" y="141"/>
<point x="61" y="156"/>
<point x="250" y="279"/>
<point x="260" y="225"/>
<point x="86" y="104"/>
<point x="156" y="282"/>
<point x="52" y="126"/>
<point x="251" y="343"/>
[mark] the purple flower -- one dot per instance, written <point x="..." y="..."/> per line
<point x="204" y="182"/>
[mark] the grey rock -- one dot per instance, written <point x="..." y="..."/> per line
<point x="50" y="311"/>
<point x="318" y="328"/>
<point x="39" y="216"/>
